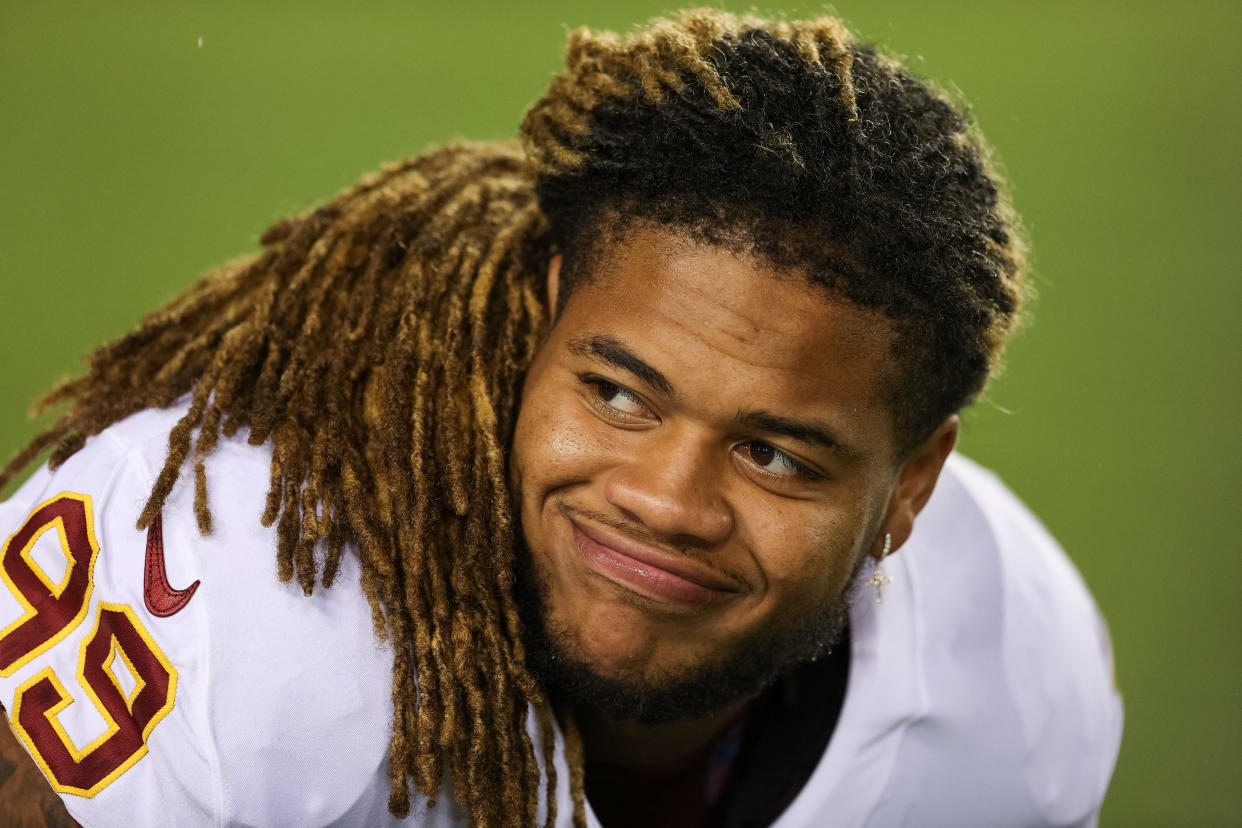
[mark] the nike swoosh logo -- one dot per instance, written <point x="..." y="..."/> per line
<point x="160" y="597"/>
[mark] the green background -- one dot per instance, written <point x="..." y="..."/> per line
<point x="132" y="158"/>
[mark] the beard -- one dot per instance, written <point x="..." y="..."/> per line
<point x="738" y="673"/>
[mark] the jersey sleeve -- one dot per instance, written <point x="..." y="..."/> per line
<point x="1040" y="662"/>
<point x="166" y="677"/>
<point x="89" y="676"/>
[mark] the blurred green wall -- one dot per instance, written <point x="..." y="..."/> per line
<point x="134" y="155"/>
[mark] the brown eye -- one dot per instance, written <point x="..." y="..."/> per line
<point x="761" y="453"/>
<point x="774" y="462"/>
<point x="607" y="391"/>
<point x="617" y="399"/>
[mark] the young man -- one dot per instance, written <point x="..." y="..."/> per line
<point x="603" y="446"/>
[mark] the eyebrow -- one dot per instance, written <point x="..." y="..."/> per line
<point x="815" y="434"/>
<point x="611" y="352"/>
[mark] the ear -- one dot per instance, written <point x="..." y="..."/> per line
<point x="915" y="482"/>
<point x="554" y="285"/>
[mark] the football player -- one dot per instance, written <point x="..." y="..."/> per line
<point x="602" y="479"/>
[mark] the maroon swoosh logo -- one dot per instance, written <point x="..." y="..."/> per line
<point x="161" y="598"/>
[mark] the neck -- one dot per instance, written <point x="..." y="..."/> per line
<point x="629" y="744"/>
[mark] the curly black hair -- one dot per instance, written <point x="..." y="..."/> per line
<point x="790" y="142"/>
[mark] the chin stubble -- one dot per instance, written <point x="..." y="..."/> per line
<point x="752" y="663"/>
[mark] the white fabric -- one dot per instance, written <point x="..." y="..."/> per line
<point x="980" y="691"/>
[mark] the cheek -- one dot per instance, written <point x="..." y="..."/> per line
<point x="805" y="554"/>
<point x="557" y="444"/>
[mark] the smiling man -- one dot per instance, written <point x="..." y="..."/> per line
<point x="703" y="461"/>
<point x="627" y="456"/>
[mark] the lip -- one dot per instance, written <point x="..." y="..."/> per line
<point x="653" y="573"/>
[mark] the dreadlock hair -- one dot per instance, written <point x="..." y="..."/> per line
<point x="378" y="343"/>
<point x="790" y="142"/>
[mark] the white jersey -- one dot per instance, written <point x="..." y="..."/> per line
<point x="200" y="690"/>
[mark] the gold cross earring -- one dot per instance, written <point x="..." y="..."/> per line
<point x="878" y="579"/>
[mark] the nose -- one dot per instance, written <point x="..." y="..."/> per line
<point x="673" y="486"/>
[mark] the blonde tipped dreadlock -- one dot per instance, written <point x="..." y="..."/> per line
<point x="662" y="62"/>
<point x="379" y="342"/>
<point x="791" y="141"/>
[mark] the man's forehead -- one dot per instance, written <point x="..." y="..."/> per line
<point x="735" y="340"/>
<point x="663" y="283"/>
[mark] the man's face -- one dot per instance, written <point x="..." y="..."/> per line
<point x="702" y="459"/>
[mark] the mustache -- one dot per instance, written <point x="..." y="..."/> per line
<point x="641" y="534"/>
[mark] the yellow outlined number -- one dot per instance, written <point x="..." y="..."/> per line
<point x="51" y="609"/>
<point x="117" y="641"/>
